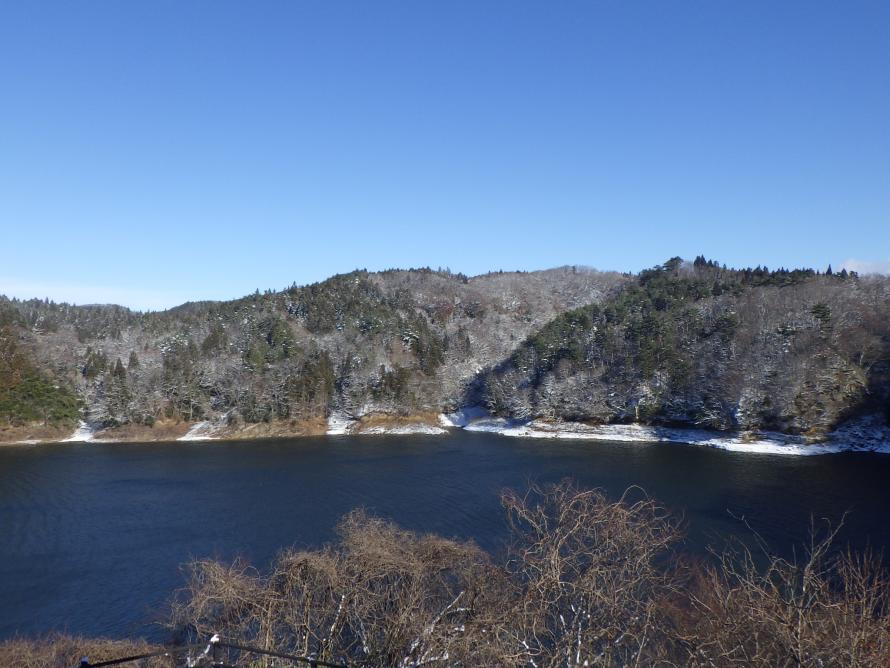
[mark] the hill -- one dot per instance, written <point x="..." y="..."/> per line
<point x="684" y="343"/>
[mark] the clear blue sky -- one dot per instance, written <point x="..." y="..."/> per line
<point x="152" y="152"/>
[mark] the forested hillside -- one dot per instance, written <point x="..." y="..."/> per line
<point x="698" y="344"/>
<point x="394" y="342"/>
<point x="26" y="393"/>
<point x="690" y="343"/>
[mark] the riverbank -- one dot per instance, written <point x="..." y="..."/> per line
<point x="865" y="434"/>
<point x="33" y="434"/>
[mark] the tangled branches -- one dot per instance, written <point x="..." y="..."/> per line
<point x="586" y="582"/>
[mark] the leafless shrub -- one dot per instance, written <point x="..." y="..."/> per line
<point x="382" y="596"/>
<point x="588" y="578"/>
<point x="757" y="609"/>
<point x="586" y="582"/>
<point x="581" y="588"/>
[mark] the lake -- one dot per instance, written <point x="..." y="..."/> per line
<point x="92" y="536"/>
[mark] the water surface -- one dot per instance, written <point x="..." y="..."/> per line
<point x="92" y="536"/>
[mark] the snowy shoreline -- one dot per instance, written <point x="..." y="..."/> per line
<point x="863" y="436"/>
<point x="867" y="434"/>
<point x="340" y="424"/>
<point x="83" y="434"/>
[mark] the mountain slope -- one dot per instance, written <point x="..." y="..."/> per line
<point x="682" y="343"/>
<point x="697" y="344"/>
<point x="397" y="341"/>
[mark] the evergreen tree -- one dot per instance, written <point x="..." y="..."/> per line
<point x="118" y="370"/>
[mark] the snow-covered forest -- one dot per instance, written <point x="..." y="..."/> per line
<point x="687" y="343"/>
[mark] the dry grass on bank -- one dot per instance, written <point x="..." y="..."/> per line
<point x="391" y="420"/>
<point x="35" y="432"/>
<point x="162" y="430"/>
<point x="65" y="651"/>
<point x="316" y="426"/>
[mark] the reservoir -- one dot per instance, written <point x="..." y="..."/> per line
<point x="93" y="536"/>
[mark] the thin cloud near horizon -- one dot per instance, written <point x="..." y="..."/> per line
<point x="138" y="299"/>
<point x="867" y="266"/>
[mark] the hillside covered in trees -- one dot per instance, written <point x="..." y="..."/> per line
<point x="792" y="351"/>
<point x="684" y="343"/>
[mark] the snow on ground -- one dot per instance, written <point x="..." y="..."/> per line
<point x="338" y="424"/>
<point x="418" y="428"/>
<point x="200" y="431"/>
<point x="83" y="434"/>
<point x="207" y="430"/>
<point x="462" y="416"/>
<point x="868" y="437"/>
<point x="867" y="434"/>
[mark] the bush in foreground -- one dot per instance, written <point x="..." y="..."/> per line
<point x="586" y="582"/>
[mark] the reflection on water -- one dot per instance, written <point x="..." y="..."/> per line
<point x="92" y="536"/>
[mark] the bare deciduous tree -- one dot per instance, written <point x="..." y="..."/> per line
<point x="758" y="609"/>
<point x="589" y="586"/>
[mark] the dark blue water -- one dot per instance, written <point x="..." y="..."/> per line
<point x="92" y="536"/>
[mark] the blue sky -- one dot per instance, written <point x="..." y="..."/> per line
<point x="155" y="152"/>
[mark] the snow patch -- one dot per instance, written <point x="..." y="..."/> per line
<point x="870" y="437"/>
<point x="870" y="433"/>
<point x="338" y="424"/>
<point x="200" y="431"/>
<point x="404" y="429"/>
<point x="462" y="416"/>
<point x="83" y="434"/>
<point x="206" y="430"/>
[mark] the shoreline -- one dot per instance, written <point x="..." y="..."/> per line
<point x="867" y="434"/>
